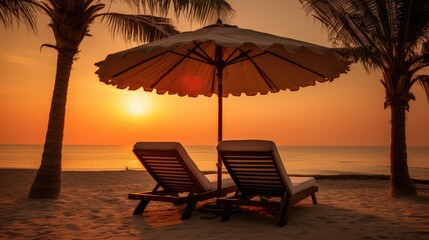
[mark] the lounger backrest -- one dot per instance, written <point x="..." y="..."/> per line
<point x="170" y="165"/>
<point x="256" y="167"/>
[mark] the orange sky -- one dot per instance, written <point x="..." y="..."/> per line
<point x="348" y="111"/>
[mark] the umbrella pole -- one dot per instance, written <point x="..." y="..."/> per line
<point x="219" y="119"/>
<point x="219" y="68"/>
<point x="219" y="134"/>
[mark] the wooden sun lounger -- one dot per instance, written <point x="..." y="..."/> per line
<point x="257" y="170"/>
<point x="179" y="180"/>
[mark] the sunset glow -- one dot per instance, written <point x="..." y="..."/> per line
<point x="137" y="108"/>
<point x="347" y="111"/>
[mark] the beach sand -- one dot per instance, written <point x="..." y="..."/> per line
<point x="94" y="205"/>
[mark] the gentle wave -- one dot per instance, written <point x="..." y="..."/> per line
<point x="298" y="160"/>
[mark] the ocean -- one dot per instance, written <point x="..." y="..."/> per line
<point x="302" y="160"/>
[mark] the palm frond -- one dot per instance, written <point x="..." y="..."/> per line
<point x="14" y="12"/>
<point x="348" y="26"/>
<point x="424" y="82"/>
<point x="203" y="11"/>
<point x="132" y="3"/>
<point x="356" y="54"/>
<point x="419" y="60"/>
<point x="419" y="22"/>
<point x="392" y="36"/>
<point x="139" y="28"/>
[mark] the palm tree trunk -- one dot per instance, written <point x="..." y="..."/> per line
<point x="47" y="183"/>
<point x="400" y="181"/>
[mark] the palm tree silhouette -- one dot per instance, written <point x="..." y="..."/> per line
<point x="392" y="37"/>
<point x="70" y="22"/>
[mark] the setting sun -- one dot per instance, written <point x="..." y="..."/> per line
<point x="136" y="103"/>
<point x="137" y="108"/>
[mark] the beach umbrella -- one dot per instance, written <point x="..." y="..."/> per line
<point x="221" y="59"/>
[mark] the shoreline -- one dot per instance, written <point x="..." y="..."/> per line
<point x="317" y="176"/>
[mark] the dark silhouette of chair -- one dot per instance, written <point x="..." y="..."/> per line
<point x="261" y="179"/>
<point x="179" y="180"/>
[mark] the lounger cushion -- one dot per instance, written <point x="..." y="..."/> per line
<point x="169" y="146"/>
<point x="226" y="181"/>
<point x="302" y="183"/>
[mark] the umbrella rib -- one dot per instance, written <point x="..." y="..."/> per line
<point x="207" y="59"/>
<point x="171" y="68"/>
<point x="203" y="59"/>
<point x="197" y="45"/>
<point x="213" y="79"/>
<point x="230" y="55"/>
<point x="187" y="56"/>
<point x="297" y="64"/>
<point x="264" y="76"/>
<point x="204" y="55"/>
<point x="240" y="57"/>
<point x="136" y="65"/>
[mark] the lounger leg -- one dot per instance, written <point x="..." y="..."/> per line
<point x="285" y="213"/>
<point x="189" y="209"/>
<point x="140" y="207"/>
<point x="226" y="213"/>
<point x="313" y="197"/>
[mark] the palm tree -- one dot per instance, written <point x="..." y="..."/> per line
<point x="391" y="36"/>
<point x="70" y="22"/>
<point x="12" y="10"/>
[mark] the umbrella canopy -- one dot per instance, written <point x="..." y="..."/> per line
<point x="250" y="62"/>
<point x="221" y="59"/>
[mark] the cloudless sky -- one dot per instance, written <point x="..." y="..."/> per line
<point x="347" y="111"/>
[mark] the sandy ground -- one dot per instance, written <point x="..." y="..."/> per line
<point x="94" y="205"/>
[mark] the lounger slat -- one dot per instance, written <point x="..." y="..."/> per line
<point x="177" y="182"/>
<point x="155" y="153"/>
<point x="254" y="170"/>
<point x="241" y="160"/>
<point x="171" y="182"/>
<point x="167" y="167"/>
<point x="158" y="163"/>
<point x="249" y="174"/>
<point x="254" y="154"/>
<point x="251" y="166"/>
<point x="169" y="171"/>
<point x="160" y="169"/>
<point x="175" y="177"/>
<point x="253" y="177"/>
<point x="159" y="158"/>
<point x="167" y="175"/>
<point x="155" y="161"/>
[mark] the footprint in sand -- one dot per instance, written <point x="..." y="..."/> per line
<point x="69" y="214"/>
<point x="73" y="227"/>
